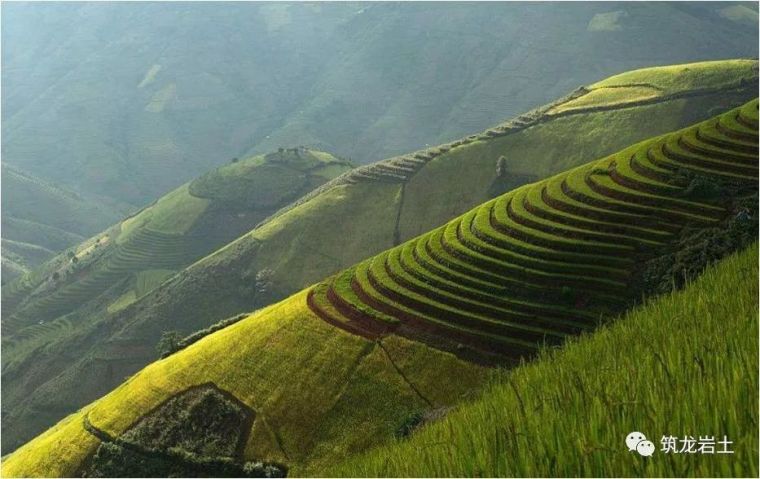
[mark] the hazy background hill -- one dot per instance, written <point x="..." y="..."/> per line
<point x="39" y="219"/>
<point x="131" y="100"/>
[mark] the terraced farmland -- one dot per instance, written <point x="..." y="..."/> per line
<point x="178" y="229"/>
<point x="552" y="258"/>
<point x="341" y="223"/>
<point x="697" y="346"/>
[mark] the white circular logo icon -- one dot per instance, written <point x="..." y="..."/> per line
<point x="645" y="448"/>
<point x="633" y="439"/>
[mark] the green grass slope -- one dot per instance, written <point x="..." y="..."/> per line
<point x="347" y="220"/>
<point x="682" y="364"/>
<point x="387" y="325"/>
<point x="40" y="219"/>
<point x="552" y="258"/>
<point x="126" y="261"/>
<point x="318" y="393"/>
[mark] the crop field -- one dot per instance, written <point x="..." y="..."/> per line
<point x="302" y="377"/>
<point x="544" y="288"/>
<point x="553" y="258"/>
<point x="683" y="363"/>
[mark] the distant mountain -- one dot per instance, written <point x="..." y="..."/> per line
<point x="360" y="358"/>
<point x="40" y="219"/>
<point x="358" y="214"/>
<point x="130" y="100"/>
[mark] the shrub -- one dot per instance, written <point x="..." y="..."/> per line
<point x="409" y="424"/>
<point x="699" y="248"/>
<point x="501" y="167"/>
<point x="169" y="343"/>
<point x="200" y="334"/>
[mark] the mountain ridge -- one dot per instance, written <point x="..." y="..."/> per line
<point x="286" y="245"/>
<point x="248" y="355"/>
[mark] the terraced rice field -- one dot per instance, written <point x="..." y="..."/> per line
<point x="550" y="259"/>
<point x="145" y="250"/>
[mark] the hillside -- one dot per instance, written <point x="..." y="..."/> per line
<point x="164" y="237"/>
<point x="680" y="364"/>
<point x="553" y="258"/>
<point x="301" y="379"/>
<point x="347" y="220"/>
<point x="40" y="219"/>
<point x="116" y="267"/>
<point x="365" y="82"/>
<point x="692" y="194"/>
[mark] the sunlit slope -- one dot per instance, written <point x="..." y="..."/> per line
<point x="550" y="259"/>
<point x="284" y="361"/>
<point x="409" y="195"/>
<point x="648" y="84"/>
<point x="346" y="221"/>
<point x="318" y="393"/>
<point x="682" y="364"/>
<point x="131" y="258"/>
<point x="40" y="219"/>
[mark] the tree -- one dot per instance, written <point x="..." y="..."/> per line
<point x="169" y="343"/>
<point x="56" y="276"/>
<point x="262" y="286"/>
<point x="264" y="281"/>
<point x="235" y="160"/>
<point x="501" y="167"/>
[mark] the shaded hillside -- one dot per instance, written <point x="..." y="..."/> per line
<point x="286" y="362"/>
<point x="355" y="216"/>
<point x="113" y="269"/>
<point x="191" y="85"/>
<point x="40" y="219"/>
<point x="704" y="335"/>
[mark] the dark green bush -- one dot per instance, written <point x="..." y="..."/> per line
<point x="182" y="343"/>
<point x="169" y="343"/>
<point x="409" y="424"/>
<point x="699" y="248"/>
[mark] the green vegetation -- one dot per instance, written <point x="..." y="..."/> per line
<point x="378" y="350"/>
<point x="681" y="364"/>
<point x="161" y="239"/>
<point x="175" y="213"/>
<point x="644" y="85"/>
<point x="170" y="342"/>
<point x="670" y="79"/>
<point x="303" y="378"/>
<point x="542" y="262"/>
<point x="198" y="433"/>
<point x="342" y="223"/>
<point x="40" y="219"/>
<point x="107" y="273"/>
